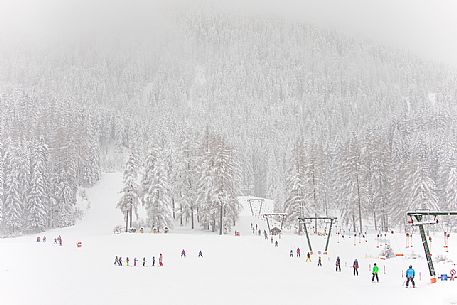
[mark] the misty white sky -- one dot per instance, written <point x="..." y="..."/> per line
<point x="428" y="28"/>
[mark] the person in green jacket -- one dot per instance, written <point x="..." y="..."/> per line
<point x="375" y="273"/>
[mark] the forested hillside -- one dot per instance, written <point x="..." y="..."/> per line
<point x="222" y="104"/>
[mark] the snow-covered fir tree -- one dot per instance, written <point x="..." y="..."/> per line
<point x="130" y="199"/>
<point x="217" y="188"/>
<point x="38" y="200"/>
<point x="156" y="192"/>
<point x="297" y="203"/>
<point x="13" y="206"/>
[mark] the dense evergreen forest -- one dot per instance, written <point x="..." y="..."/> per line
<point x="219" y="105"/>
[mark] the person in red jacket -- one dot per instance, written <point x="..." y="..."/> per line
<point x="160" y="260"/>
<point x="298" y="252"/>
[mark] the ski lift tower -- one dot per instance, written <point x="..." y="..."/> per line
<point x="420" y="222"/>
<point x="280" y="217"/>
<point x="326" y="218"/>
<point x="260" y="202"/>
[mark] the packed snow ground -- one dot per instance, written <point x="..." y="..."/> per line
<point x="234" y="270"/>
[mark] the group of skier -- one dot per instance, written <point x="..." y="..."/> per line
<point x="410" y="273"/>
<point x="119" y="262"/>
<point x="298" y="254"/>
<point x="58" y="240"/>
<point x="183" y="253"/>
<point x="39" y="239"/>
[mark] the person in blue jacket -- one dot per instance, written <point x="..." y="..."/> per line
<point x="410" y="273"/>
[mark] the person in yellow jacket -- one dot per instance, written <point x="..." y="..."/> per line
<point x="375" y="273"/>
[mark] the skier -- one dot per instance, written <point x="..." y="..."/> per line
<point x="144" y="261"/>
<point x="291" y="253"/>
<point x="271" y="239"/>
<point x="120" y="261"/>
<point x="276" y="243"/>
<point x="256" y="226"/>
<point x="153" y="261"/>
<point x="338" y="263"/>
<point x="44" y="239"/>
<point x="308" y="257"/>
<point x="134" y="262"/>
<point x="375" y="273"/>
<point x="410" y="273"/>
<point x="60" y="240"/>
<point x="160" y="260"/>
<point x="183" y="253"/>
<point x="127" y="261"/>
<point x="116" y="260"/>
<point x="298" y="252"/>
<point x="200" y="254"/>
<point x="319" y="262"/>
<point x="355" y="265"/>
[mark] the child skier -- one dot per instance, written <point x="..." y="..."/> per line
<point x="410" y="273"/>
<point x="183" y="253"/>
<point x="308" y="257"/>
<point x="291" y="253"/>
<point x="200" y="253"/>
<point x="375" y="273"/>
<point x="355" y="265"/>
<point x="338" y="263"/>
<point x="298" y="252"/>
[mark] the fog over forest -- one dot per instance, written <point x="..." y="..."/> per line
<point x="323" y="107"/>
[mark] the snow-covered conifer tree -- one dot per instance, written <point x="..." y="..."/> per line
<point x="128" y="204"/>
<point x="157" y="195"/>
<point x="38" y="200"/>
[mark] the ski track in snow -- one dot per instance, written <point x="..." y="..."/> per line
<point x="234" y="270"/>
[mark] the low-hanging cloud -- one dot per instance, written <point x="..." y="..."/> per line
<point x="424" y="27"/>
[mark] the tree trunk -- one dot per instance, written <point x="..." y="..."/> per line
<point x="315" y="223"/>
<point x="126" y="222"/>
<point x="353" y="221"/>
<point x="180" y="216"/>
<point x="220" y="220"/>
<point x="192" y="216"/>
<point x="387" y="222"/>
<point x="374" y="219"/>
<point x="131" y="208"/>
<point x="359" y="203"/>
<point x="173" y="207"/>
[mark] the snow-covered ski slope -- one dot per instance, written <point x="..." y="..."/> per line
<point x="234" y="270"/>
<point x="251" y="213"/>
